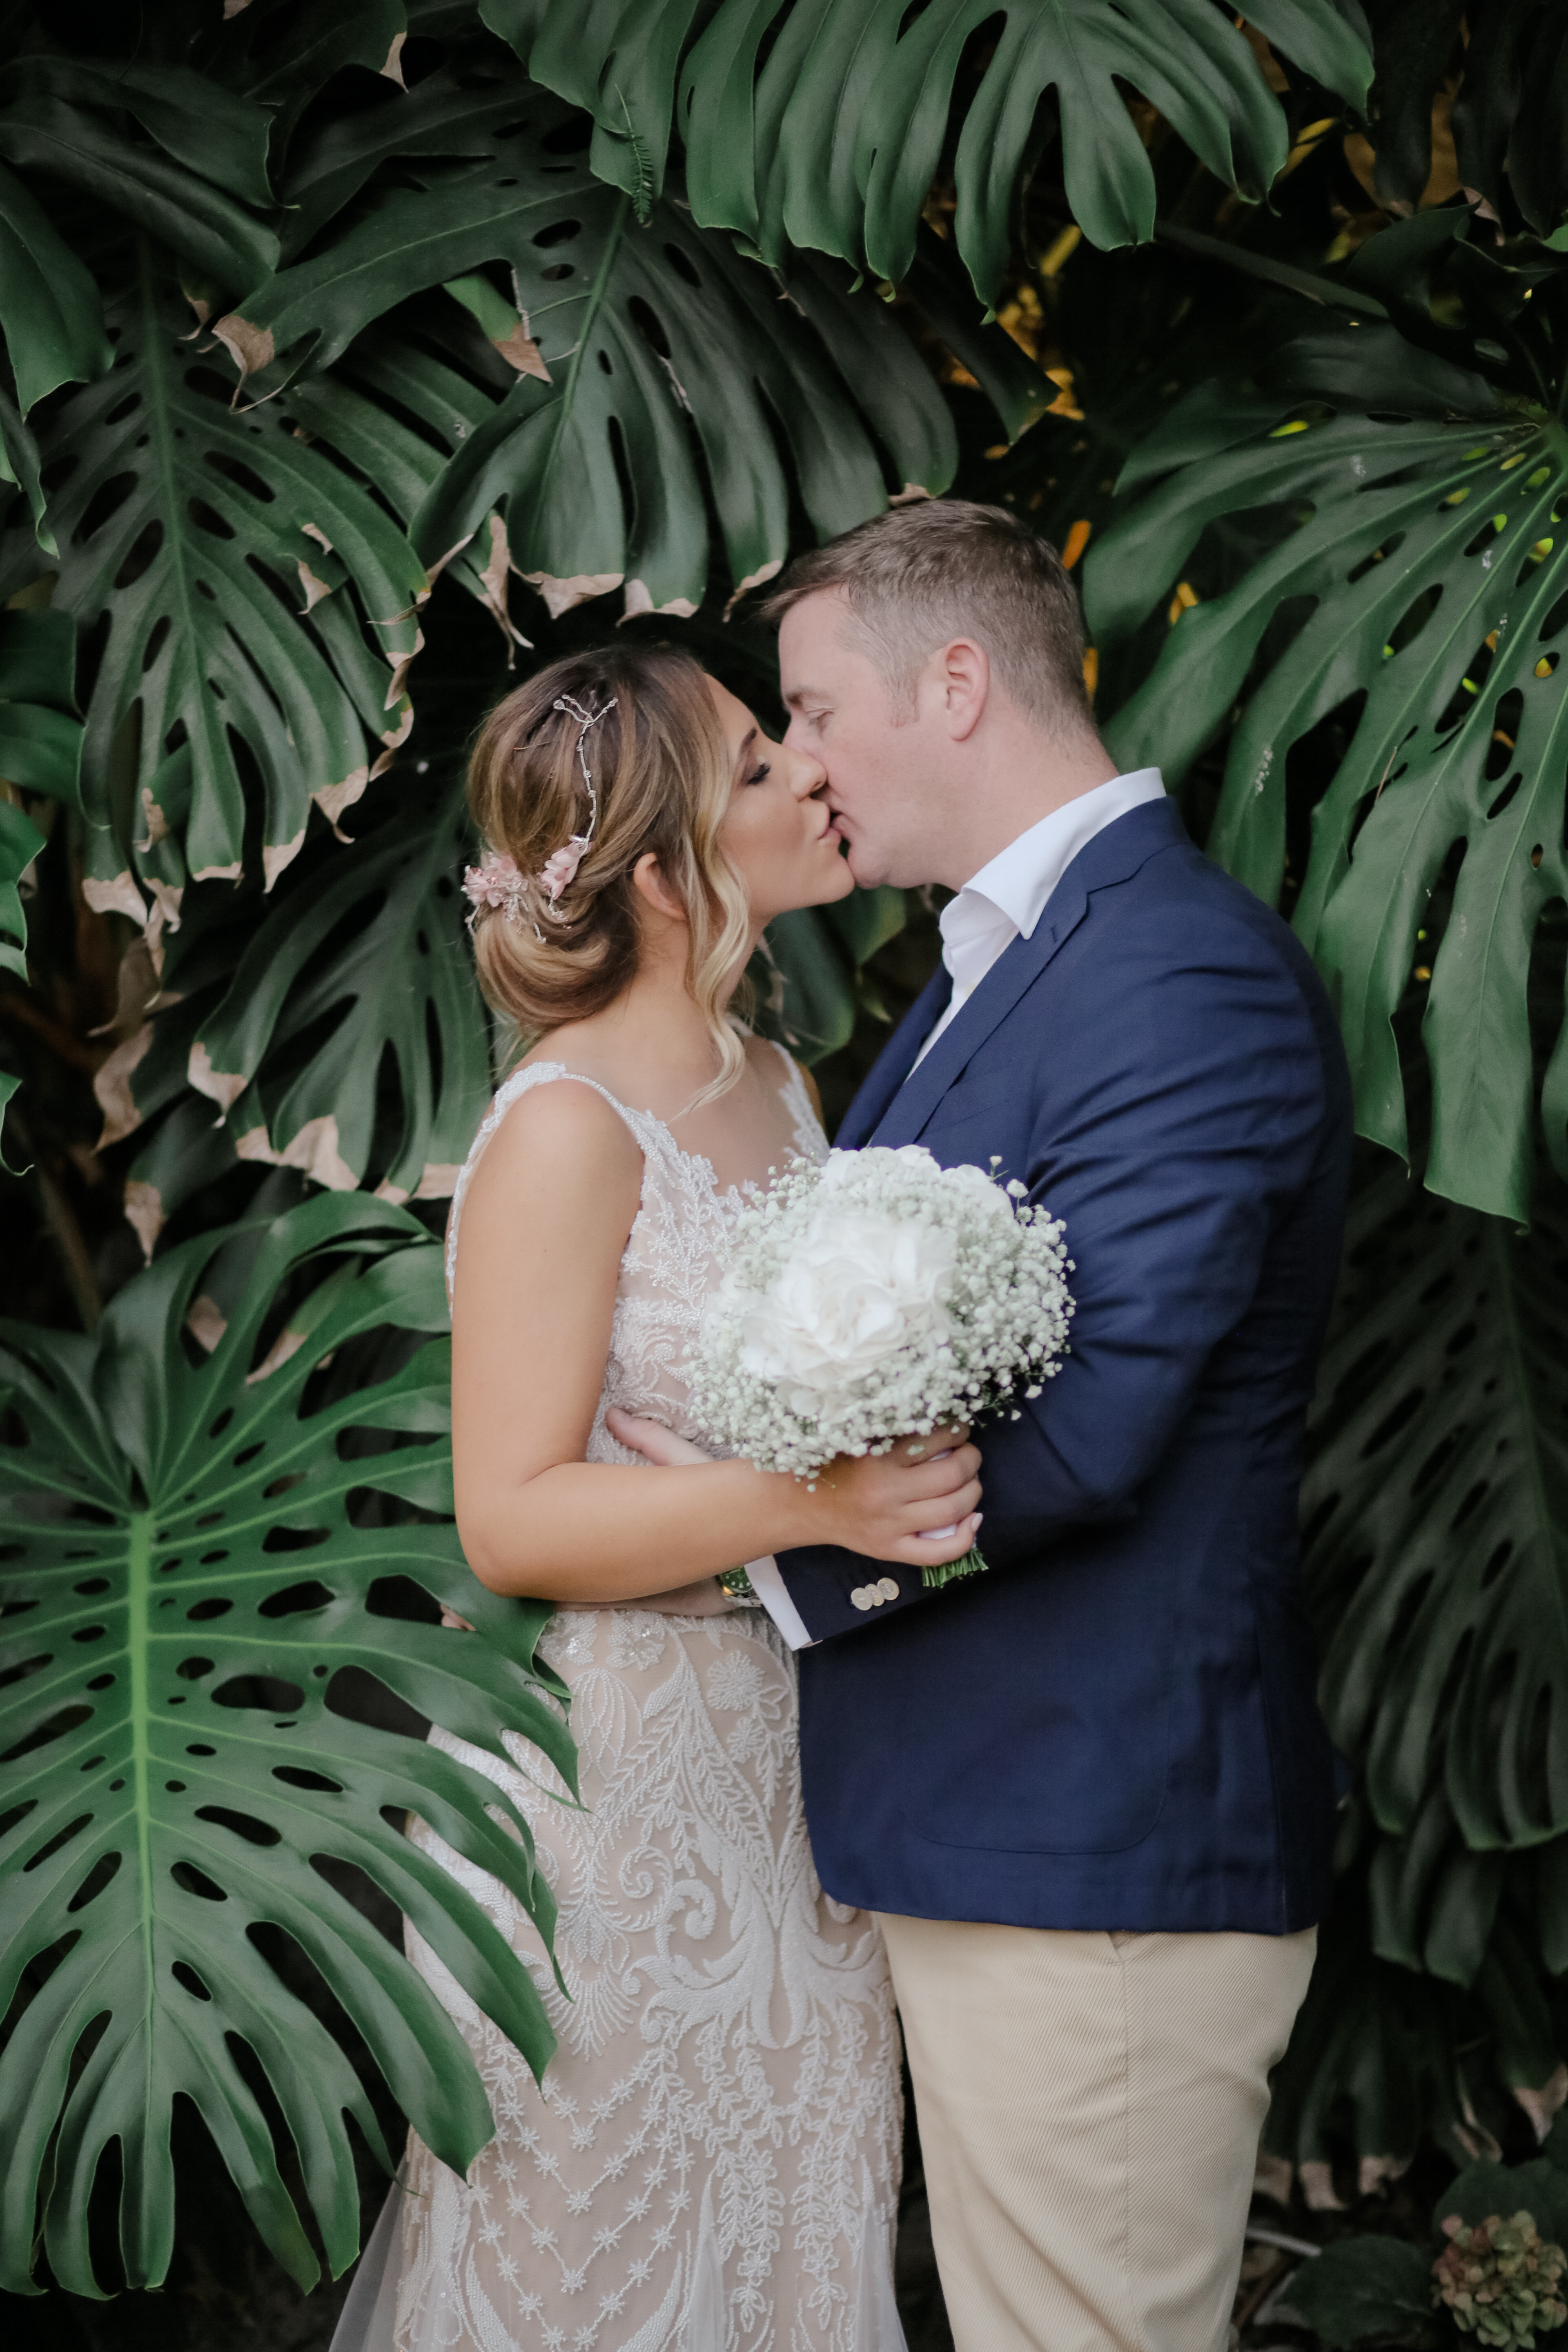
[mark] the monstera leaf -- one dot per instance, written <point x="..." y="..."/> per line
<point x="135" y="182"/>
<point x="360" y="411"/>
<point x="633" y="342"/>
<point x="40" y="752"/>
<point x="51" y="312"/>
<point x="280" y="53"/>
<point x="40" y="726"/>
<point x="808" y="977"/>
<point x="824" y="125"/>
<point x="1435" y="1507"/>
<point x="1424" y="512"/>
<point x="1384" y="2056"/>
<point x="454" y="111"/>
<point x="20" y="843"/>
<point x="401" y="986"/>
<point x="201" y="1509"/>
<point x="255" y="605"/>
<point x="219" y="136"/>
<point x="1503" y="66"/>
<point x="1436" y="1513"/>
<point x="339" y="1029"/>
<point x="1508" y="117"/>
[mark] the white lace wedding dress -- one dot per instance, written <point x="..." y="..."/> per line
<point x="712" y="2163"/>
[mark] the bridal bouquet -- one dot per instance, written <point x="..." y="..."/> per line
<point x="875" y="1296"/>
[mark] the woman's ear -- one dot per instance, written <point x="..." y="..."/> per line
<point x="648" y="882"/>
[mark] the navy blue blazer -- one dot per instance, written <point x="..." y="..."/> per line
<point x="1117" y="1727"/>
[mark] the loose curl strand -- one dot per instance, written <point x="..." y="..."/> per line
<point x="662" y="777"/>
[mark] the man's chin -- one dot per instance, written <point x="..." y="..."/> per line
<point x="869" y="870"/>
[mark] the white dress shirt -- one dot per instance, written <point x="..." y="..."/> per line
<point x="1005" y="899"/>
<point x="1000" y="904"/>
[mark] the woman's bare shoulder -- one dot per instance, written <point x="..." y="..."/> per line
<point x="560" y="1138"/>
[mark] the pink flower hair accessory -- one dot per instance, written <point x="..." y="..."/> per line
<point x="559" y="868"/>
<point x="499" y="883"/>
<point x="495" y="882"/>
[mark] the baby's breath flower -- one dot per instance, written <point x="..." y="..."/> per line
<point x="874" y="1295"/>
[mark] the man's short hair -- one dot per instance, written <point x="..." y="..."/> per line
<point x="923" y="574"/>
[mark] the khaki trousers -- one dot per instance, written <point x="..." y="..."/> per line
<point x="1088" y="2109"/>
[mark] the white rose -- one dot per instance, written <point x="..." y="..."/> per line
<point x="854" y="1291"/>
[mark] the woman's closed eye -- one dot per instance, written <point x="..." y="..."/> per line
<point x="760" y="773"/>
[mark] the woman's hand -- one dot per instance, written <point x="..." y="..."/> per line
<point x="918" y="1504"/>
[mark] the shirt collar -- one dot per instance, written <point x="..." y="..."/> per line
<point x="1020" y="880"/>
<point x="1007" y="897"/>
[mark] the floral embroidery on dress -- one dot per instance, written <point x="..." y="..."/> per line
<point x="713" y="2165"/>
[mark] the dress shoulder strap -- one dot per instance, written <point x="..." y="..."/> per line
<point x="808" y="1135"/>
<point x="648" y="1133"/>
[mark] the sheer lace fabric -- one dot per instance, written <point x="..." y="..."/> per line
<point x="712" y="2163"/>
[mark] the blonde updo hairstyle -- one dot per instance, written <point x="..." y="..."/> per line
<point x="662" y="774"/>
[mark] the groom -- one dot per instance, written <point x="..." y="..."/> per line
<point x="1087" y="1793"/>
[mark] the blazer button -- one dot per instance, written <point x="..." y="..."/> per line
<point x="887" y="1588"/>
<point x="863" y="1597"/>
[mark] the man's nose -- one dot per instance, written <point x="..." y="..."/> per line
<point x="810" y="775"/>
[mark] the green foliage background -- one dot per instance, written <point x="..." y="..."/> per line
<point x="359" y="354"/>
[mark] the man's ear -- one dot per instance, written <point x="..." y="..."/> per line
<point x="650" y="883"/>
<point x="962" y="675"/>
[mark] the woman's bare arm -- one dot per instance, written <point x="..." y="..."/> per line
<point x="545" y="1222"/>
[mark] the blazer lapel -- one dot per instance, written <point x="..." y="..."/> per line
<point x="892" y="1065"/>
<point x="1109" y="857"/>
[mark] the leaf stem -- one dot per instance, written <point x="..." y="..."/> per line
<point x="948" y="1571"/>
<point x="138" y="1603"/>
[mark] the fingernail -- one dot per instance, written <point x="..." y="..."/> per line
<point x="975" y="1518"/>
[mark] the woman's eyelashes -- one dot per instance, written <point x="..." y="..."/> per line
<point x="760" y="773"/>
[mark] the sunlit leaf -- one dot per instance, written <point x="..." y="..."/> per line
<point x="1427" y="547"/>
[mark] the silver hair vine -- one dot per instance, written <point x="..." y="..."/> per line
<point x="498" y="882"/>
<point x="560" y="869"/>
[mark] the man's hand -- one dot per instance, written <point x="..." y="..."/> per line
<point x="640" y="1434"/>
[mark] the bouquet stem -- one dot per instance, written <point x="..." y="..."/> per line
<point x="948" y="1571"/>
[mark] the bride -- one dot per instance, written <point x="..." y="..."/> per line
<point x="712" y="2162"/>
